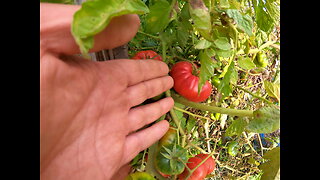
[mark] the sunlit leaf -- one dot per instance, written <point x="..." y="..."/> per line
<point x="237" y="127"/>
<point x="271" y="168"/>
<point x="244" y="22"/>
<point x="95" y="15"/>
<point x="272" y="89"/>
<point x="207" y="67"/>
<point x="265" y="120"/>
<point x="159" y="17"/>
<point x="246" y="63"/>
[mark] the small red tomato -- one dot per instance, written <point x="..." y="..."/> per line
<point x="210" y="163"/>
<point x="199" y="174"/>
<point x="148" y="54"/>
<point x="186" y="84"/>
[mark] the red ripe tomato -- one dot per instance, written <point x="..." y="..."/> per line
<point x="210" y="163"/>
<point x="199" y="174"/>
<point x="148" y="54"/>
<point x="186" y="84"/>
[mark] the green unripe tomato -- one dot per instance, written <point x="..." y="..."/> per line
<point x="140" y="176"/>
<point x="261" y="60"/>
<point x="171" y="163"/>
<point x="169" y="138"/>
<point x="233" y="148"/>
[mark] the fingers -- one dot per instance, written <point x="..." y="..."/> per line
<point x="148" y="89"/>
<point x="143" y="139"/>
<point x="55" y="30"/>
<point x="135" y="71"/>
<point x="143" y="115"/>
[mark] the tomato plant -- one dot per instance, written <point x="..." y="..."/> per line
<point x="186" y="83"/>
<point x="228" y="91"/>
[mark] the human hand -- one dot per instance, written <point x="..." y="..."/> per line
<point x="87" y="109"/>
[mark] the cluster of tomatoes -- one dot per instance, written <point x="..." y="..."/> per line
<point x="170" y="153"/>
<point x="185" y="79"/>
<point x="170" y="158"/>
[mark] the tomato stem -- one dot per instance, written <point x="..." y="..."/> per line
<point x="152" y="36"/>
<point x="177" y="122"/>
<point x="221" y="110"/>
<point x="191" y="114"/>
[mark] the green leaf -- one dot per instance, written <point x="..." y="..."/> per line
<point x="263" y="18"/>
<point x="261" y="37"/>
<point x="203" y="44"/>
<point x="236" y="128"/>
<point x="182" y="32"/>
<point x="222" y="43"/>
<point x="207" y="67"/>
<point x="272" y="89"/>
<point x="225" y="87"/>
<point x="246" y="63"/>
<point x="165" y="155"/>
<point x="185" y="14"/>
<point x="179" y="115"/>
<point x="224" y="53"/>
<point x="95" y="15"/>
<point x="159" y="17"/>
<point x="191" y="123"/>
<point x="244" y="23"/>
<point x="265" y="120"/>
<point x="274" y="11"/>
<point x="201" y="18"/>
<point x="271" y="168"/>
<point x="234" y="77"/>
<point x="224" y="4"/>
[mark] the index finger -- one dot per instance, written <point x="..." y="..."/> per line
<point x="56" y="36"/>
<point x="136" y="71"/>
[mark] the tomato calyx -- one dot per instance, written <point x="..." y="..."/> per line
<point x="170" y="160"/>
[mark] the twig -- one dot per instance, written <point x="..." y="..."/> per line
<point x="191" y="114"/>
<point x="176" y="121"/>
<point x="249" y="143"/>
<point x="221" y="110"/>
<point x="254" y="95"/>
<point x="260" y="142"/>
<point x="152" y="36"/>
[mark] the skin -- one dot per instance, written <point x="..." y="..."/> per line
<point x="88" y="110"/>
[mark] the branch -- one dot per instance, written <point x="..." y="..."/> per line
<point x="221" y="110"/>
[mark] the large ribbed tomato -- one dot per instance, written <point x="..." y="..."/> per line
<point x="210" y="163"/>
<point x="199" y="174"/>
<point x="186" y="84"/>
<point x="148" y="54"/>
